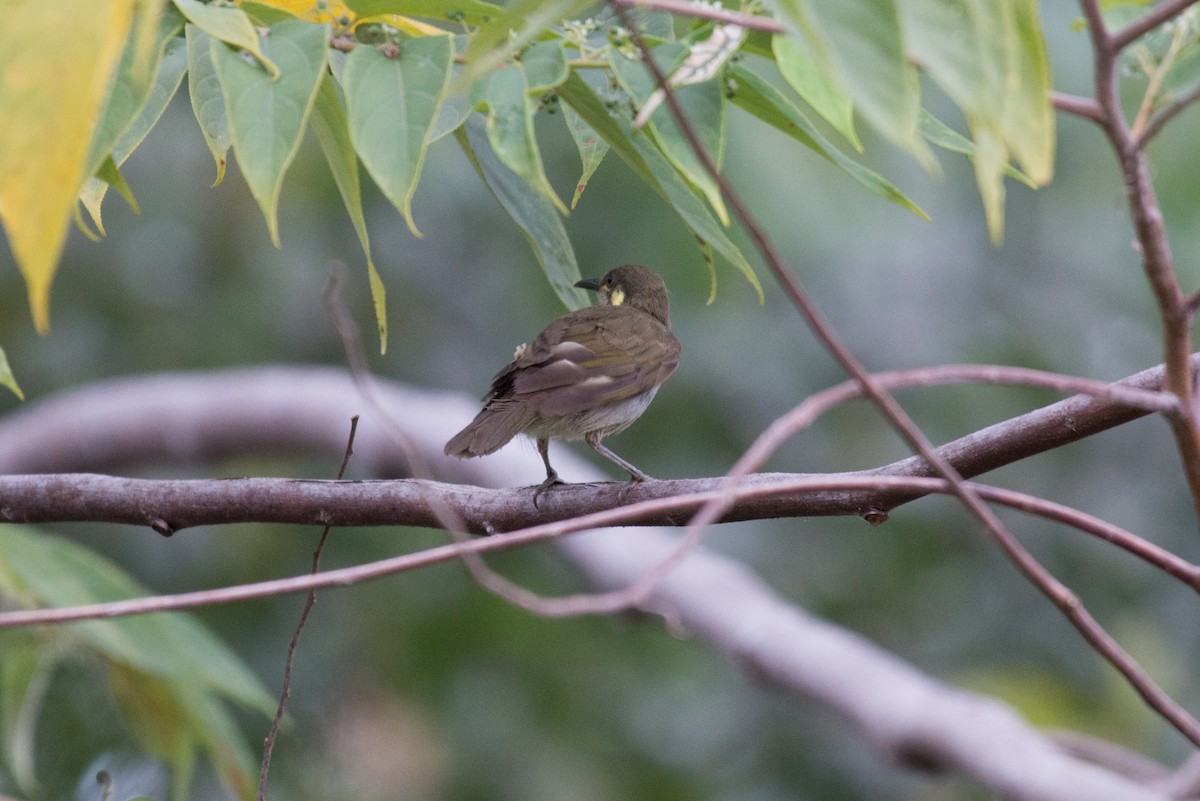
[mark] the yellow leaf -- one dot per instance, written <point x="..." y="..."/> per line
<point x="59" y="88"/>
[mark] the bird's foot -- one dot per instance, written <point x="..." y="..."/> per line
<point x="634" y="480"/>
<point x="550" y="481"/>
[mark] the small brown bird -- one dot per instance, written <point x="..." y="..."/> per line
<point x="588" y="374"/>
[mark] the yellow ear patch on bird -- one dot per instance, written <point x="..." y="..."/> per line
<point x="616" y="297"/>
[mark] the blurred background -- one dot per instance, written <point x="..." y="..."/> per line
<point x="426" y="687"/>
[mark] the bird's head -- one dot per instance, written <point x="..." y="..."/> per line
<point x="634" y="286"/>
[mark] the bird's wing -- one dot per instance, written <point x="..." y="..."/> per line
<point x="602" y="354"/>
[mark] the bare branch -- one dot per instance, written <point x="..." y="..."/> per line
<point x="294" y="410"/>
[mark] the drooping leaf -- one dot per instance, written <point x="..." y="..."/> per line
<point x="990" y="59"/>
<point x="168" y="75"/>
<point x="649" y="164"/>
<point x="266" y="116"/>
<point x="764" y="101"/>
<point x="228" y="24"/>
<point x="392" y="104"/>
<point x="592" y="149"/>
<point x="60" y="90"/>
<point x="703" y="105"/>
<point x="132" y="87"/>
<point x="510" y="111"/>
<point x="333" y="133"/>
<point x="7" y="379"/>
<point x="852" y="53"/>
<point x="530" y="210"/>
<point x="208" y="104"/>
<point x="940" y="134"/>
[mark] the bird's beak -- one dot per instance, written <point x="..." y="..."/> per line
<point x="589" y="283"/>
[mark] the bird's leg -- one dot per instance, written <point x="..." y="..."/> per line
<point x="543" y="446"/>
<point x="635" y="476"/>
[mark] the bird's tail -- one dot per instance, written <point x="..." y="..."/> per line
<point x="491" y="429"/>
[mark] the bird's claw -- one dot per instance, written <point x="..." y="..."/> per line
<point x="550" y="481"/>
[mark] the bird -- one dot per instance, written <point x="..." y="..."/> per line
<point x="588" y="375"/>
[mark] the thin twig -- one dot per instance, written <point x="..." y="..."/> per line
<point x="1164" y="115"/>
<point x="1062" y="597"/>
<point x="309" y="601"/>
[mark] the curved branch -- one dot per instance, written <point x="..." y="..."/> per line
<point x="1163" y="12"/>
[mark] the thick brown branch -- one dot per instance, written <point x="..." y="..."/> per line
<point x="293" y="410"/>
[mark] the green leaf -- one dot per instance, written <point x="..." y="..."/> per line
<point x="545" y="65"/>
<point x="470" y="12"/>
<point x="510" y="110"/>
<point x="132" y="87"/>
<point x="110" y="175"/>
<point x="764" y="101"/>
<point x="228" y="24"/>
<point x="704" y="106"/>
<point x="392" y="104"/>
<point x="175" y="671"/>
<point x="649" y="164"/>
<point x="333" y="134"/>
<point x="990" y="59"/>
<point x="496" y="41"/>
<point x="169" y="74"/>
<point x="7" y="379"/>
<point x="808" y="70"/>
<point x="940" y="134"/>
<point x="592" y="148"/>
<point x="267" y="117"/>
<point x="208" y="103"/>
<point x="530" y="210"/>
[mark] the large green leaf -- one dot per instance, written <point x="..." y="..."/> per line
<point x="764" y="101"/>
<point x="531" y="210"/>
<point x="855" y="46"/>
<point x="267" y="116"/>
<point x="333" y="133"/>
<point x="505" y="93"/>
<point x="131" y="89"/>
<point x="648" y="163"/>
<point x="167" y="77"/>
<point x="392" y="104"/>
<point x="208" y="103"/>
<point x="990" y="59"/>
<point x="704" y="107"/>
